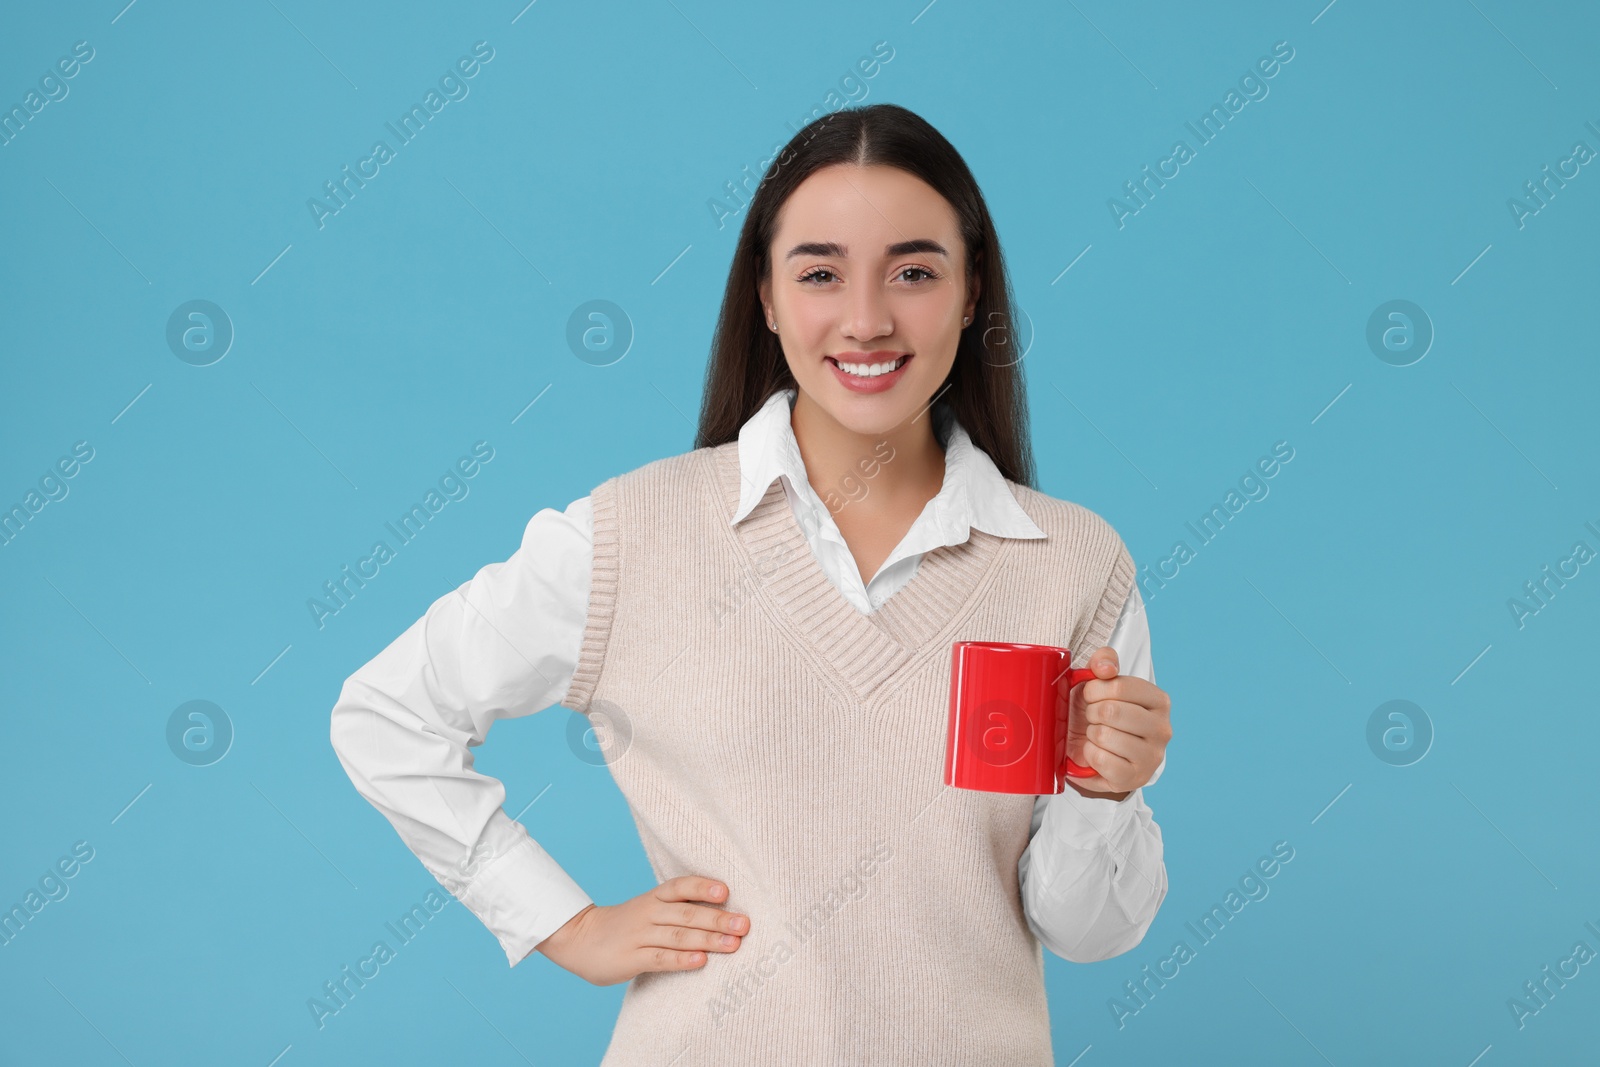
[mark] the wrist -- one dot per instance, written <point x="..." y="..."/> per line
<point x="565" y="931"/>
<point x="1092" y="795"/>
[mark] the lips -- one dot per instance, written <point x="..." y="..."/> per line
<point x="876" y="383"/>
<point x="895" y="362"/>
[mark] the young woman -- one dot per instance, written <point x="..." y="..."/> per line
<point x="760" y="629"/>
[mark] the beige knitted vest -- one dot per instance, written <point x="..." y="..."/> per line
<point x="767" y="734"/>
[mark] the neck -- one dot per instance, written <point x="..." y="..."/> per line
<point x="902" y="467"/>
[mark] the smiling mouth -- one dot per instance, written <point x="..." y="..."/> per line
<point x="869" y="370"/>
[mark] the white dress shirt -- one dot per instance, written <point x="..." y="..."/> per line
<point x="506" y="644"/>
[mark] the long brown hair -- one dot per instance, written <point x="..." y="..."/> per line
<point x="985" y="390"/>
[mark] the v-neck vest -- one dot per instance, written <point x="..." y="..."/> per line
<point x="767" y="734"/>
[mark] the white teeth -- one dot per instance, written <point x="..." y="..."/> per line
<point x="871" y="370"/>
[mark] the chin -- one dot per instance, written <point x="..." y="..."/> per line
<point x="869" y="414"/>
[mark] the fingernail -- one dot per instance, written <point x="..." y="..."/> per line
<point x="729" y="941"/>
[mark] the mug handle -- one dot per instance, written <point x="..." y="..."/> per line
<point x="1074" y="677"/>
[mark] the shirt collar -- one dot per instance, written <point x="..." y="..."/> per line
<point x="974" y="493"/>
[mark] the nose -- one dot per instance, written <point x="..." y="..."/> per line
<point x="866" y="314"/>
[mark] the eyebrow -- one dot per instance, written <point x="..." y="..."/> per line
<point x="835" y="249"/>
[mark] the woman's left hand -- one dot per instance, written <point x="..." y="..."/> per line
<point x="1118" y="726"/>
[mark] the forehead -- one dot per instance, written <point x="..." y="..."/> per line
<point x="865" y="209"/>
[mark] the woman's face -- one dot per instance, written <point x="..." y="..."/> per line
<point x="868" y="267"/>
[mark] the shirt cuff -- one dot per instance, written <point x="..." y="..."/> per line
<point x="1081" y="822"/>
<point x="522" y="895"/>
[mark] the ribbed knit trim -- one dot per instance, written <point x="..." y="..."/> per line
<point x="862" y="650"/>
<point x="856" y="647"/>
<point x="956" y="576"/>
<point x="1118" y="582"/>
<point x="602" y="598"/>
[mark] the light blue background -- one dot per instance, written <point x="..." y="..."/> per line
<point x="1227" y="315"/>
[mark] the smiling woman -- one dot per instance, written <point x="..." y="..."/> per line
<point x="767" y="674"/>
<point x="927" y="265"/>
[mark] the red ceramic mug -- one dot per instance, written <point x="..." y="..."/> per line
<point x="1008" y="717"/>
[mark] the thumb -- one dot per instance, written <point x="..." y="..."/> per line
<point x="1104" y="662"/>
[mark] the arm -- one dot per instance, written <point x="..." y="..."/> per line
<point x="502" y="645"/>
<point x="1093" y="874"/>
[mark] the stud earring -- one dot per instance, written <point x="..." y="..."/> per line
<point x="966" y="321"/>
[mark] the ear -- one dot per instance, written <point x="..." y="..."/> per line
<point x="973" y="290"/>
<point x="764" y="289"/>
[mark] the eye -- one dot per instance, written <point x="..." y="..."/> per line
<point x="919" y="270"/>
<point x="814" y="273"/>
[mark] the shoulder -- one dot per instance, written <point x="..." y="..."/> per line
<point x="684" y="464"/>
<point x="660" y="490"/>
<point x="684" y="467"/>
<point x="1083" y="552"/>
<point x="676" y="466"/>
<point x="556" y="541"/>
<point x="1065" y="519"/>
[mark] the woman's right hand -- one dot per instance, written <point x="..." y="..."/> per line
<point x="660" y="930"/>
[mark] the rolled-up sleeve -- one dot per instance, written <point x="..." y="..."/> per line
<point x="1093" y="875"/>
<point x="502" y="645"/>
